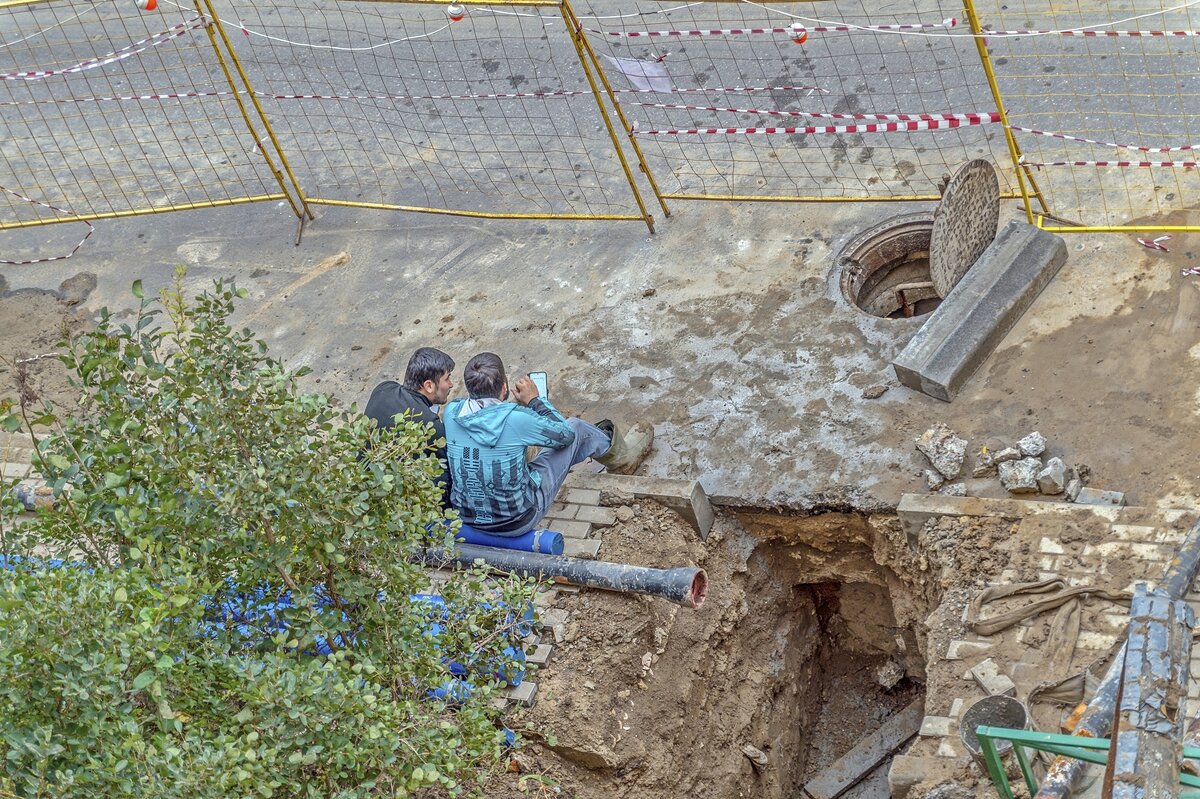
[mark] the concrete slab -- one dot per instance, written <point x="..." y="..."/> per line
<point x="979" y="312"/>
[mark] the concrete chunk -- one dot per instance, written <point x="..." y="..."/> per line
<point x="944" y="449"/>
<point x="1020" y="477"/>
<point x="1032" y="445"/>
<point x="1053" y="478"/>
<point x="980" y="310"/>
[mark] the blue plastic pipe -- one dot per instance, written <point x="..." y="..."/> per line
<point x="545" y="542"/>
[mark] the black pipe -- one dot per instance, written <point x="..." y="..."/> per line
<point x="685" y="585"/>
<point x="1096" y="720"/>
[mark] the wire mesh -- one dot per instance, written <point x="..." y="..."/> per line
<point x="395" y="103"/>
<point x="1104" y="100"/>
<point x="866" y="100"/>
<point x="107" y="109"/>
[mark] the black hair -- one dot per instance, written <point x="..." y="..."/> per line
<point x="426" y="364"/>
<point x="484" y="376"/>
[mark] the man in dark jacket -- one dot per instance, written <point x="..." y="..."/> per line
<point x="427" y="382"/>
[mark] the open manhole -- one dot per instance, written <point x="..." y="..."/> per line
<point x="885" y="269"/>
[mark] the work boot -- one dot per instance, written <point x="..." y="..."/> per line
<point x="626" y="453"/>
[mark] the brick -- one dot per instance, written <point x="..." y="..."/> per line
<point x="562" y="510"/>
<point x="935" y="727"/>
<point x="522" y="694"/>
<point x="601" y="517"/>
<point x="685" y="497"/>
<point x="987" y="675"/>
<point x="570" y="529"/>
<point x="959" y="649"/>
<point x="583" y="496"/>
<point x="956" y="708"/>
<point x="586" y="548"/>
<point x="976" y="315"/>
<point x="540" y="656"/>
<point x="1094" y="496"/>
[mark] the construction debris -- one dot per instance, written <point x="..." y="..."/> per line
<point x="1052" y="479"/>
<point x="1020" y="477"/>
<point x="945" y="450"/>
<point x="1094" y="496"/>
<point x="1032" y="445"/>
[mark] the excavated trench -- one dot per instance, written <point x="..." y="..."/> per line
<point x="814" y="635"/>
<point x="847" y="601"/>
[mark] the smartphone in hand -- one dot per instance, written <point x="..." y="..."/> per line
<point x="539" y="380"/>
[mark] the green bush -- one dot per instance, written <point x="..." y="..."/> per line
<point x="197" y="477"/>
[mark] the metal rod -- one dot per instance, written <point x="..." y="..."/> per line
<point x="476" y="214"/>
<point x="575" y="31"/>
<point x="1022" y="171"/>
<point x="143" y="211"/>
<point x="612" y="97"/>
<point x="1117" y="228"/>
<point x="1096" y="721"/>
<point x="237" y="64"/>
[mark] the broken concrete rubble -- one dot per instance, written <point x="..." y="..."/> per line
<point x="934" y="479"/>
<point x="1032" y="445"/>
<point x="1020" y="477"/>
<point x="1006" y="454"/>
<point x="1052" y="478"/>
<point x="985" y="464"/>
<point x="945" y="450"/>
<point x="954" y="490"/>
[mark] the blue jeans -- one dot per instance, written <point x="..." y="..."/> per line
<point x="553" y="465"/>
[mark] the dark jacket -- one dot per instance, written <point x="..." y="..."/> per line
<point x="493" y="485"/>
<point x="389" y="400"/>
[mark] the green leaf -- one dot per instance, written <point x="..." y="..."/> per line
<point x="112" y="479"/>
<point x="244" y="715"/>
<point x="58" y="461"/>
<point x="137" y="290"/>
<point x="144" y="679"/>
<point x="120" y="595"/>
<point x="164" y="662"/>
<point x="12" y="424"/>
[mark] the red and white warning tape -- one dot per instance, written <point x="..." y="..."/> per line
<point x="503" y="96"/>
<point x="790" y="30"/>
<point x="1159" y="243"/>
<point x="141" y="46"/>
<point x="1054" y="135"/>
<point x="1093" y="33"/>
<point x="91" y="230"/>
<point x="973" y="119"/>
<point x="1167" y="164"/>
<point x="871" y="127"/>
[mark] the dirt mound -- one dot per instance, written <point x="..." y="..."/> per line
<point x="34" y="322"/>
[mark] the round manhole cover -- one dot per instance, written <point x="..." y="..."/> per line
<point x="964" y="223"/>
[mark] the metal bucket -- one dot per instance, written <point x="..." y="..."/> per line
<point x="992" y="711"/>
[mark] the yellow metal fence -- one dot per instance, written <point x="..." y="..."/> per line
<point x="528" y="109"/>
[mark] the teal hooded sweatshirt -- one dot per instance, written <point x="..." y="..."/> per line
<point x="493" y="487"/>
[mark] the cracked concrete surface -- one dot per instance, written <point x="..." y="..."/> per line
<point x="727" y="329"/>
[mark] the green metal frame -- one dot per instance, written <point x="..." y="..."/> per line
<point x="1090" y="750"/>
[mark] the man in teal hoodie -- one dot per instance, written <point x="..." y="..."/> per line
<point x="494" y="488"/>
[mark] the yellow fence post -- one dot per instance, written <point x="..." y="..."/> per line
<point x="575" y="31"/>
<point x="1021" y="170"/>
<point x="214" y="21"/>
<point x="612" y="96"/>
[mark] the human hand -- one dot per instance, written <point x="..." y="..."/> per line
<point x="524" y="391"/>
